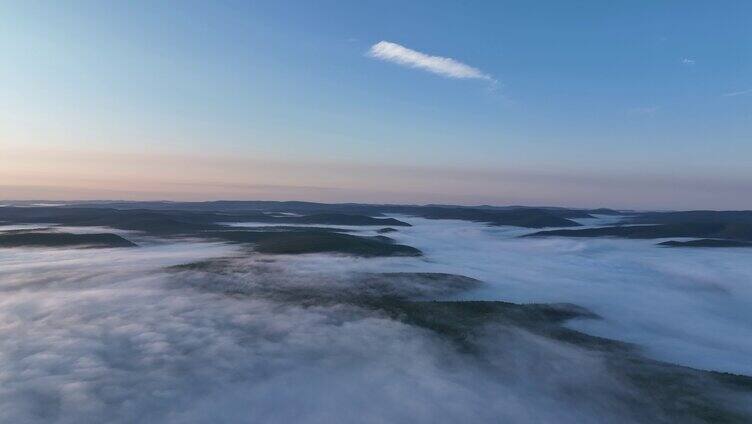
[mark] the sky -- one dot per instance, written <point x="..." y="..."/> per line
<point x="625" y="104"/>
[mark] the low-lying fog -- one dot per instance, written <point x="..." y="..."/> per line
<point x="109" y="335"/>
<point x="690" y="306"/>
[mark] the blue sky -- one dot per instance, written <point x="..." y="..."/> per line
<point x="592" y="101"/>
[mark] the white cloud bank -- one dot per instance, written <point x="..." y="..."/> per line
<point x="686" y="306"/>
<point x="108" y="336"/>
<point x="444" y="66"/>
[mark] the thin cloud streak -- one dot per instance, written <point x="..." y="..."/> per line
<point x="444" y="66"/>
<point x="738" y="93"/>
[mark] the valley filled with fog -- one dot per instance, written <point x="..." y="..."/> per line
<point x="692" y="307"/>
<point x="181" y="329"/>
<point x="331" y="212"/>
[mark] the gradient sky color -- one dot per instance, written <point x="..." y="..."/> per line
<point x="628" y="104"/>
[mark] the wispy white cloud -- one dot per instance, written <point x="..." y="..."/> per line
<point x="688" y="61"/>
<point x="444" y="66"/>
<point x="738" y="93"/>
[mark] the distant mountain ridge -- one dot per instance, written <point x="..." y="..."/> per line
<point x="713" y="228"/>
<point x="308" y="213"/>
<point x="56" y="239"/>
<point x="526" y="216"/>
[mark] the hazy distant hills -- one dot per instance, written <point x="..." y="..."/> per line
<point x="531" y="217"/>
<point x="195" y="216"/>
<point x="312" y="207"/>
<point x="173" y="221"/>
<point x="716" y="217"/>
<point x="207" y="219"/>
<point x="210" y="220"/>
<point x="706" y="243"/>
<point x="714" y="228"/>
<point x="316" y="241"/>
<point x="732" y="231"/>
<point x="54" y="239"/>
<point x="280" y="239"/>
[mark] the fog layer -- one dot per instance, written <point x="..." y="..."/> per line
<point x="687" y="306"/>
<point x="125" y="336"/>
